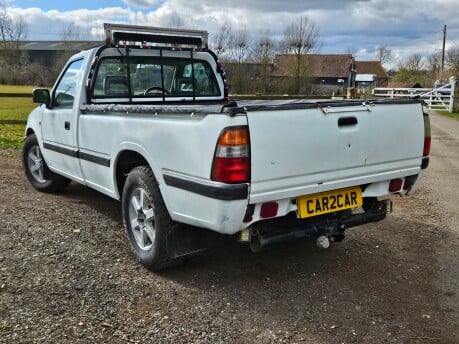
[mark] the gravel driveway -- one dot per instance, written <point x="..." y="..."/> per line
<point x="68" y="276"/>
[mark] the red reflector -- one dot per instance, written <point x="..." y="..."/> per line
<point x="247" y="218"/>
<point x="269" y="209"/>
<point x="249" y="213"/>
<point x="231" y="170"/>
<point x="395" y="185"/>
<point x="427" y="142"/>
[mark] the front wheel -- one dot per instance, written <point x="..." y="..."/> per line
<point x="36" y="170"/>
<point x="146" y="220"/>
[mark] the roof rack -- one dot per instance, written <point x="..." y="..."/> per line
<point x="116" y="33"/>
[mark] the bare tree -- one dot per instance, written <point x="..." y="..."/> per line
<point x="70" y="32"/>
<point x="239" y="51"/>
<point x="384" y="55"/>
<point x="176" y="20"/>
<point x="433" y="66"/>
<point x="12" y="32"/>
<point x="414" y="63"/>
<point x="239" y="43"/>
<point x="452" y="60"/>
<point x="300" y="37"/>
<point x="222" y="39"/>
<point x="262" y="53"/>
<point x="411" y="69"/>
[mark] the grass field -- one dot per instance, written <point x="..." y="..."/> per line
<point x="13" y="115"/>
<point x="11" y="135"/>
<point x="16" y="89"/>
<point x="15" y="109"/>
<point x="454" y="115"/>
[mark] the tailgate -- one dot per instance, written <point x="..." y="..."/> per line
<point x="297" y="151"/>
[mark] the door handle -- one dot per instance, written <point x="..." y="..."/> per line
<point x="67" y="125"/>
<point x="347" y="121"/>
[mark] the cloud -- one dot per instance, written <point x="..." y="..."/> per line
<point x="363" y="25"/>
<point x="141" y="3"/>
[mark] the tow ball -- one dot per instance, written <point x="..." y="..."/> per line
<point x="323" y="242"/>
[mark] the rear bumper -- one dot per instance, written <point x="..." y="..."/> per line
<point x="284" y="229"/>
<point x="202" y="203"/>
<point x="227" y="209"/>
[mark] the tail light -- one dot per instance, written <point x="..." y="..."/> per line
<point x="427" y="135"/>
<point x="427" y="142"/>
<point x="232" y="159"/>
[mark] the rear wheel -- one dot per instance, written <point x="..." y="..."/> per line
<point x="36" y="170"/>
<point x="146" y="220"/>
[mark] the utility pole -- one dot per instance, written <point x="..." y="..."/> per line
<point x="443" y="54"/>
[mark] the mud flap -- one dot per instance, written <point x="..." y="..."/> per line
<point x="184" y="240"/>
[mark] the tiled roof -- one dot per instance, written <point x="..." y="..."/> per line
<point x="329" y="66"/>
<point x="319" y="65"/>
<point x="371" y="67"/>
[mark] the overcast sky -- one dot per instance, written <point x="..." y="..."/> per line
<point x="360" y="26"/>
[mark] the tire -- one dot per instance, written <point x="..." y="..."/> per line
<point x="146" y="220"/>
<point x="36" y="170"/>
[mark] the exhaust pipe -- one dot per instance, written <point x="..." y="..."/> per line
<point x="259" y="241"/>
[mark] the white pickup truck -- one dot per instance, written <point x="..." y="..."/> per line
<point x="146" y="119"/>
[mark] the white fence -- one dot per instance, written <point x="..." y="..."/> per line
<point x="439" y="98"/>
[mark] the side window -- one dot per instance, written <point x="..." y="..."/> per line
<point x="205" y="81"/>
<point x="111" y="80"/>
<point x="200" y="77"/>
<point x="64" y="94"/>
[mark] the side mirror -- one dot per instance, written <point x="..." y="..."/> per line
<point x="41" y="96"/>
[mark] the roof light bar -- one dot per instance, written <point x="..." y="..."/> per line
<point x="115" y="33"/>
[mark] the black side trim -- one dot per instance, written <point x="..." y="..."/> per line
<point x="95" y="159"/>
<point x="62" y="150"/>
<point x="425" y="163"/>
<point x="77" y="154"/>
<point x="225" y="192"/>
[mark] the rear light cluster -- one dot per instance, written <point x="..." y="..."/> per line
<point x="232" y="156"/>
<point x="427" y="142"/>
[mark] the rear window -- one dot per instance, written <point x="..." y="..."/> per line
<point x="154" y="77"/>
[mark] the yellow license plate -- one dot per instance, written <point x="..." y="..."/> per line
<point x="329" y="202"/>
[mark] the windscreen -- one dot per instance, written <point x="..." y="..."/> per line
<point x="150" y="77"/>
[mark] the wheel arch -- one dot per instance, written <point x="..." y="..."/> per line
<point x="29" y="131"/>
<point x="126" y="160"/>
